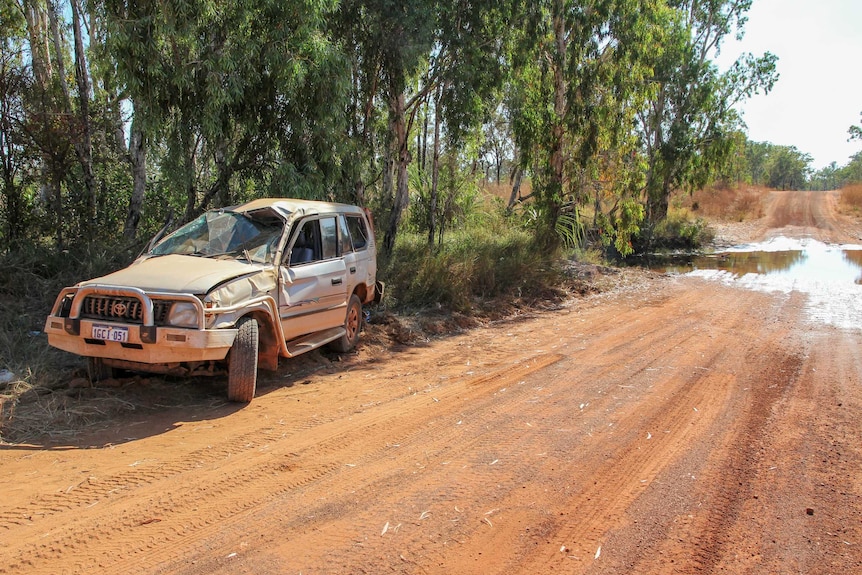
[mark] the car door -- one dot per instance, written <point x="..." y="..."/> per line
<point x="313" y="279"/>
<point x="361" y="261"/>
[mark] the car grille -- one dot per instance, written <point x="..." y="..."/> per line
<point x="125" y="309"/>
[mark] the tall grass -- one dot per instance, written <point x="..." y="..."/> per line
<point x="31" y="278"/>
<point x="488" y="258"/>
<point x="725" y="203"/>
<point x="851" y="198"/>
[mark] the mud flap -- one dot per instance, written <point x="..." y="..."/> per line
<point x="379" y="288"/>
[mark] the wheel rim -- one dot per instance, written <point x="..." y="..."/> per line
<point x="352" y="324"/>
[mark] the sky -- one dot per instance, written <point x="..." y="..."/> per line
<point x="818" y="95"/>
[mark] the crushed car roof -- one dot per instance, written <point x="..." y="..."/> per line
<point x="287" y="206"/>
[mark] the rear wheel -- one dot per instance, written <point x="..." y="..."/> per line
<point x="242" y="362"/>
<point x="352" y="326"/>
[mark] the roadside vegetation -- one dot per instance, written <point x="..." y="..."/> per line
<point x="851" y="199"/>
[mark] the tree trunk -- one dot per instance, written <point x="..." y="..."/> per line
<point x="40" y="53"/>
<point x="188" y="148"/>
<point x="552" y="196"/>
<point x="402" y="195"/>
<point x="518" y="175"/>
<point x="84" y="148"/>
<point x="138" y="160"/>
<point x="435" y="172"/>
<point x="37" y="20"/>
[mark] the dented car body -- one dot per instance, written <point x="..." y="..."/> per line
<point x="235" y="289"/>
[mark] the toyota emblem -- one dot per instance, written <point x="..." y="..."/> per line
<point x="118" y="309"/>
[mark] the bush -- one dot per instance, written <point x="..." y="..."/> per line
<point x="677" y="232"/>
<point x="470" y="264"/>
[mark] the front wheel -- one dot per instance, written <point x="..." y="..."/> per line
<point x="352" y="326"/>
<point x="242" y="362"/>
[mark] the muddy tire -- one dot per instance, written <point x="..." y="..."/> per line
<point x="352" y="325"/>
<point x="242" y="362"/>
<point x="97" y="370"/>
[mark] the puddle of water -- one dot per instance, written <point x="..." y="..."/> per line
<point x="830" y="275"/>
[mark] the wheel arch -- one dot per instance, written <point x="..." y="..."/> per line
<point x="268" y="336"/>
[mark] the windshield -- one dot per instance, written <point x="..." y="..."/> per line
<point x="224" y="234"/>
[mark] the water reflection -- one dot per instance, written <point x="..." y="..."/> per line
<point x="831" y="276"/>
<point x="813" y="261"/>
<point x="854" y="257"/>
<point x="739" y="263"/>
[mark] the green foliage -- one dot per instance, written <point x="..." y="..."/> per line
<point x="676" y="232"/>
<point x="770" y="165"/>
<point x="690" y="123"/>
<point x="492" y="260"/>
<point x="570" y="228"/>
<point x="237" y="92"/>
<point x="832" y="177"/>
<point x="582" y="76"/>
<point x="606" y="106"/>
<point x="852" y="172"/>
<point x="620" y="227"/>
<point x="457" y="197"/>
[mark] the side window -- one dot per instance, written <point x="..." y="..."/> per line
<point x="358" y="232"/>
<point x="306" y="247"/>
<point x="330" y="238"/>
<point x="344" y="236"/>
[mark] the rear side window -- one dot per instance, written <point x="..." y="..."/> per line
<point x="358" y="232"/>
<point x="344" y="236"/>
<point x="330" y="238"/>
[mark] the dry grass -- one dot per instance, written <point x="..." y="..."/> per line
<point x="851" y="198"/>
<point x="503" y="190"/>
<point x="726" y="204"/>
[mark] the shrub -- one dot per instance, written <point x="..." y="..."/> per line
<point x="851" y="197"/>
<point x="482" y="262"/>
<point x="677" y="232"/>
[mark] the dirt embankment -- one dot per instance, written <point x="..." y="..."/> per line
<point x="670" y="426"/>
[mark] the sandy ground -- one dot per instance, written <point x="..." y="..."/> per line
<point x="673" y="425"/>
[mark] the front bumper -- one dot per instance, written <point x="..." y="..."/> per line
<point x="146" y="342"/>
<point x="158" y="345"/>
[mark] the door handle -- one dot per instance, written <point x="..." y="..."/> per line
<point x="353" y="270"/>
<point x="337" y="281"/>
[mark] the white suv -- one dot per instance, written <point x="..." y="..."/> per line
<point x="238" y="288"/>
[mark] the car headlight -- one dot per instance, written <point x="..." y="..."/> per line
<point x="183" y="314"/>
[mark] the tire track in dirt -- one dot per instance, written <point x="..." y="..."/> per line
<point x="457" y="516"/>
<point x="524" y="447"/>
<point x="217" y="501"/>
<point x="698" y="534"/>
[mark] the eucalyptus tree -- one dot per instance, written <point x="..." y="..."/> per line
<point x="48" y="124"/>
<point x="443" y="57"/>
<point x="688" y="125"/>
<point x="851" y="173"/>
<point x="788" y="168"/>
<point x="238" y="92"/>
<point x="14" y="154"/>
<point x="825" y="178"/>
<point x="581" y="70"/>
<point x="391" y="43"/>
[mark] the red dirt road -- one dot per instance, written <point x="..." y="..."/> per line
<point x="673" y="425"/>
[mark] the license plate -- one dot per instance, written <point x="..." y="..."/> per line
<point x="111" y="333"/>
